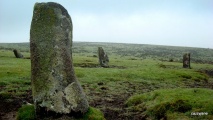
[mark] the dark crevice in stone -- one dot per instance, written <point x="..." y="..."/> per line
<point x="65" y="101"/>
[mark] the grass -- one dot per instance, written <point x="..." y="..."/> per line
<point x="14" y="74"/>
<point x="129" y="74"/>
<point x="140" y="71"/>
<point x="27" y="112"/>
<point x="170" y="103"/>
<point x="93" y="114"/>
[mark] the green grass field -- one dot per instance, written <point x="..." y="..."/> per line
<point x="140" y="82"/>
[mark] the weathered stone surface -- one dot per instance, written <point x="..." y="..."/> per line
<point x="54" y="84"/>
<point x="103" y="58"/>
<point x="186" y="60"/>
<point x="17" y="54"/>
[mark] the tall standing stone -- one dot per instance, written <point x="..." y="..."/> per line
<point x="54" y="84"/>
<point x="103" y="58"/>
<point x="186" y="60"/>
<point x="17" y="54"/>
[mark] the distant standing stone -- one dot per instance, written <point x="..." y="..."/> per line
<point x="17" y="54"/>
<point x="103" y="58"/>
<point x="54" y="84"/>
<point x="186" y="60"/>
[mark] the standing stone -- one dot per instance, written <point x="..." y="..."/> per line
<point x="103" y="58"/>
<point x="17" y="54"/>
<point x="186" y="60"/>
<point x="55" y="88"/>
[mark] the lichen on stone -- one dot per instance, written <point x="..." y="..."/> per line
<point x="54" y="84"/>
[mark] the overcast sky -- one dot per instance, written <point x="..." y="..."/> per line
<point x="161" y="22"/>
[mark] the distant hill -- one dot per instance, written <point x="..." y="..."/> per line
<point x="136" y="51"/>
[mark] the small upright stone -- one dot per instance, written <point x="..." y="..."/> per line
<point x="103" y="58"/>
<point x="17" y="54"/>
<point x="55" y="88"/>
<point x="186" y="60"/>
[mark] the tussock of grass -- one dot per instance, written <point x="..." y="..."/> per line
<point x="26" y="112"/>
<point x="93" y="114"/>
<point x="169" y="102"/>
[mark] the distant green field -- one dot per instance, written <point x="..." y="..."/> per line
<point x="135" y="70"/>
<point x="138" y="51"/>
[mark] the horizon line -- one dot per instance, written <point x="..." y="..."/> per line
<point x="116" y="43"/>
